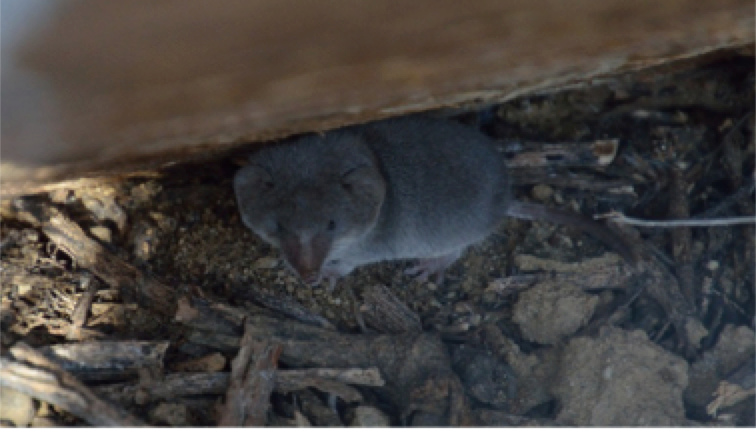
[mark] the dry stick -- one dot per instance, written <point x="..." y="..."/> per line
<point x="252" y="382"/>
<point x="106" y="360"/>
<point x="531" y="154"/>
<point x="369" y="376"/>
<point x="176" y="385"/>
<point x="172" y="386"/>
<point x="45" y="380"/>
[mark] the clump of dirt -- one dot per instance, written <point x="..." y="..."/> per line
<point x="620" y="377"/>
<point x="549" y="312"/>
<point x="539" y="324"/>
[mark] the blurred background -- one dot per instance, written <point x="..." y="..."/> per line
<point x="89" y="86"/>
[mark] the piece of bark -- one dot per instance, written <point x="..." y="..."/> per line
<point x="176" y="385"/>
<point x="253" y="374"/>
<point x="587" y="154"/>
<point x="37" y="376"/>
<point x="81" y="310"/>
<point x="96" y="361"/>
<point x="285" y="305"/>
<point x="227" y="343"/>
<point x="171" y="386"/>
<point x="370" y="376"/>
<point x="383" y="311"/>
<point x="526" y="262"/>
<point x="89" y="254"/>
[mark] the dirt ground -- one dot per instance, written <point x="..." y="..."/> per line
<point x="538" y="325"/>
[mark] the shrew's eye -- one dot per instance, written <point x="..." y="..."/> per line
<point x="331" y="225"/>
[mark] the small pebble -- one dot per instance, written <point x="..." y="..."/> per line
<point x="29" y="236"/>
<point x="173" y="414"/>
<point x="542" y="192"/>
<point x="209" y="363"/>
<point x="462" y="307"/>
<point x="265" y="263"/>
<point x="24" y="289"/>
<point x="458" y="327"/>
<point x="44" y="422"/>
<point x="475" y="319"/>
<point x="103" y="234"/>
<point x="367" y="416"/>
<point x="16" y="407"/>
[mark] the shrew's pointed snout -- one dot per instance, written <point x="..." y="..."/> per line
<point x="306" y="256"/>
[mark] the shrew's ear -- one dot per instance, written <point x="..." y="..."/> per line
<point x="364" y="181"/>
<point x="253" y="179"/>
